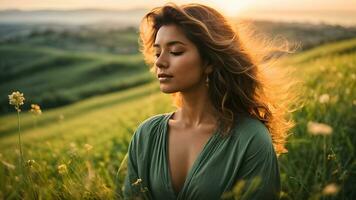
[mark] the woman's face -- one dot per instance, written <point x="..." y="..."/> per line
<point x="179" y="58"/>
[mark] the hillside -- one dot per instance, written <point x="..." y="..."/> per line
<point x="106" y="123"/>
<point x="53" y="77"/>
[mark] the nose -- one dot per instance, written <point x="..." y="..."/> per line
<point x="161" y="62"/>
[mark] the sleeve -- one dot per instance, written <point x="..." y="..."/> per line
<point x="259" y="177"/>
<point x="135" y="184"/>
<point x="132" y="176"/>
<point x="135" y="181"/>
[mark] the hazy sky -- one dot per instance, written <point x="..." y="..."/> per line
<point x="229" y="6"/>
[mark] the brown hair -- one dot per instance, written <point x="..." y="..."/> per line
<point x="238" y="83"/>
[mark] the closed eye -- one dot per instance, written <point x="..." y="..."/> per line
<point x="174" y="53"/>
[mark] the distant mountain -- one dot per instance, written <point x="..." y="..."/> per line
<point x="73" y="17"/>
<point x="132" y="17"/>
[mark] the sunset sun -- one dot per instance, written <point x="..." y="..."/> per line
<point x="233" y="8"/>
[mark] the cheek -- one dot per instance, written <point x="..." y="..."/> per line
<point x="188" y="66"/>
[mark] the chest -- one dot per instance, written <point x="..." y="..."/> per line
<point x="184" y="147"/>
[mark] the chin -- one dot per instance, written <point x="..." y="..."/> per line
<point x="167" y="90"/>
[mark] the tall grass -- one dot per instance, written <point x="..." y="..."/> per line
<point x="316" y="161"/>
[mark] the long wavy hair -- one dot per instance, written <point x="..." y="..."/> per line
<point x="242" y="81"/>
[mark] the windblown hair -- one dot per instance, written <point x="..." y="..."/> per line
<point x="238" y="83"/>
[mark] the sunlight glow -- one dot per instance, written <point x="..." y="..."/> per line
<point x="233" y="7"/>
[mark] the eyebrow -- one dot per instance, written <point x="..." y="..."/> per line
<point x="170" y="43"/>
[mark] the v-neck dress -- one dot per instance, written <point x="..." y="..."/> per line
<point x="245" y="159"/>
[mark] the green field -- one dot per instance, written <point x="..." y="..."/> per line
<point x="65" y="135"/>
<point x="53" y="77"/>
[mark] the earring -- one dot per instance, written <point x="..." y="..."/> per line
<point x="207" y="81"/>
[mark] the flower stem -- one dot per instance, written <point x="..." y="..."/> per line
<point x="20" y="146"/>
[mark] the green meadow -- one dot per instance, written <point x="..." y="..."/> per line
<point x="74" y="151"/>
<point x="54" y="77"/>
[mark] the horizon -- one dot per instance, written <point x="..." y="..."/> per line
<point x="292" y="11"/>
<point x="147" y="8"/>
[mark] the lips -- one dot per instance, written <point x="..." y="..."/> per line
<point x="163" y="78"/>
<point x="162" y="75"/>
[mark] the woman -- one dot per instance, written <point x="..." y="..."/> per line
<point x="226" y="130"/>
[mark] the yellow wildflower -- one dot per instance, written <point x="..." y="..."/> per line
<point x="62" y="169"/>
<point x="88" y="147"/>
<point x="16" y="99"/>
<point x="331" y="189"/>
<point x="315" y="128"/>
<point x="331" y="156"/>
<point x="36" y="109"/>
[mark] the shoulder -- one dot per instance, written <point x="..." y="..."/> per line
<point x="259" y="163"/>
<point x="148" y="127"/>
<point x="253" y="133"/>
<point x="152" y="122"/>
<point x="252" y="125"/>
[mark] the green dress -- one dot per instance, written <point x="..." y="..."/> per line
<point x="245" y="159"/>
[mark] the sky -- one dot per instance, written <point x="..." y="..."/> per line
<point x="228" y="6"/>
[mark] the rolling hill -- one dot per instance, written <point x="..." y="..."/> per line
<point x="53" y="77"/>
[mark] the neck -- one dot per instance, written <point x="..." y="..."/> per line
<point x="197" y="109"/>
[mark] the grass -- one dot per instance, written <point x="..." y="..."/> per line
<point x="102" y="122"/>
<point x="316" y="161"/>
<point x="106" y="123"/>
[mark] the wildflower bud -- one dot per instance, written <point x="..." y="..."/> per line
<point x="331" y="156"/>
<point x="30" y="163"/>
<point x="315" y="128"/>
<point x="138" y="181"/>
<point x="35" y="109"/>
<point x="62" y="169"/>
<point x="324" y="98"/>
